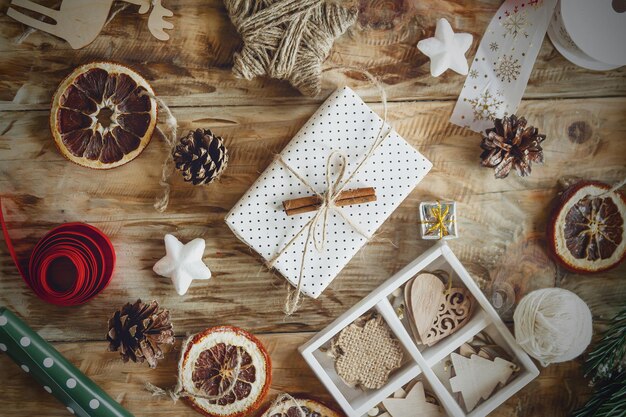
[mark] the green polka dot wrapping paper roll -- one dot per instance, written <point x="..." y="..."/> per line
<point x="79" y="394"/>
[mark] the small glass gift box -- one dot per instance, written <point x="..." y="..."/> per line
<point x="438" y="220"/>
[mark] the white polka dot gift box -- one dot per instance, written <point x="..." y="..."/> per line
<point x="79" y="394"/>
<point x="343" y="146"/>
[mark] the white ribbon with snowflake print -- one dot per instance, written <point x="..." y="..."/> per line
<point x="503" y="63"/>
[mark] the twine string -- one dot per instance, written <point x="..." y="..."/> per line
<point x="320" y="219"/>
<point x="613" y="189"/>
<point x="328" y="198"/>
<point x="276" y="408"/>
<point x="171" y="127"/>
<point x="287" y="39"/>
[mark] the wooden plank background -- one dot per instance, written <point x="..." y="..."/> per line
<point x="502" y="222"/>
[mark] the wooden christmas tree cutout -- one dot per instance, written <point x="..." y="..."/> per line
<point x="413" y="405"/>
<point x="79" y="21"/>
<point x="477" y="377"/>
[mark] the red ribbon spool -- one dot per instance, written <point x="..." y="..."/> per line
<point x="70" y="265"/>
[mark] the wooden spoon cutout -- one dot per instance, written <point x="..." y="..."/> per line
<point x="435" y="312"/>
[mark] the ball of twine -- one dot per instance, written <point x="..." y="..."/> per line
<point x="553" y="325"/>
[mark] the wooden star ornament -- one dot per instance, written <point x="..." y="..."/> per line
<point x="287" y="39"/>
<point x="413" y="405"/>
<point x="182" y="263"/>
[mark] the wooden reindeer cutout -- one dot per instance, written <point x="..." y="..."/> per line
<point x="79" y="21"/>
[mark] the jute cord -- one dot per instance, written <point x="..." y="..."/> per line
<point x="275" y="407"/>
<point x="288" y="39"/>
<point x="171" y="127"/>
<point x="613" y="189"/>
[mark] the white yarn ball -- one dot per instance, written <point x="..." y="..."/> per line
<point x="553" y="325"/>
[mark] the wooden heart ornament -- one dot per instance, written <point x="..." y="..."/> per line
<point x="424" y="296"/>
<point x="434" y="311"/>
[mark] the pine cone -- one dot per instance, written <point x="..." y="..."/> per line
<point x="137" y="331"/>
<point x="510" y="144"/>
<point x="201" y="156"/>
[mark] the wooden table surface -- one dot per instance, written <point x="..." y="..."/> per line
<point x="501" y="222"/>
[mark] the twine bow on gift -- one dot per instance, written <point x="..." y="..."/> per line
<point x="440" y="221"/>
<point x="328" y="200"/>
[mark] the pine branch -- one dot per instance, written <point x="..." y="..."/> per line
<point x="608" y="399"/>
<point x="608" y="357"/>
<point x="605" y="364"/>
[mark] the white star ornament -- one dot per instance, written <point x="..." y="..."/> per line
<point x="446" y="50"/>
<point x="182" y="263"/>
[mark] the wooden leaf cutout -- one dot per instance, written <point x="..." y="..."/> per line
<point x="413" y="405"/>
<point x="477" y="377"/>
<point x="454" y="313"/>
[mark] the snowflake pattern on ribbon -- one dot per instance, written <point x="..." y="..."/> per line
<point x="484" y="106"/>
<point x="507" y="68"/>
<point x="515" y="23"/>
<point x="503" y="63"/>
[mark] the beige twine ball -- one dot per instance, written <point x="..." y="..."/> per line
<point x="553" y="325"/>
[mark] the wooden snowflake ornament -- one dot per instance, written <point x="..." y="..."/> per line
<point x="287" y="39"/>
<point x="477" y="377"/>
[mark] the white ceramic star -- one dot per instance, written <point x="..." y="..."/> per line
<point x="446" y="50"/>
<point x="182" y="263"/>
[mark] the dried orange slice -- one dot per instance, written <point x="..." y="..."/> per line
<point x="101" y="117"/>
<point x="586" y="233"/>
<point x="310" y="407"/>
<point x="225" y="372"/>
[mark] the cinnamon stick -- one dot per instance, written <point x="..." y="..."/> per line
<point x="345" y="198"/>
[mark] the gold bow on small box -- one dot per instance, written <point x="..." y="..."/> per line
<point x="438" y="220"/>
